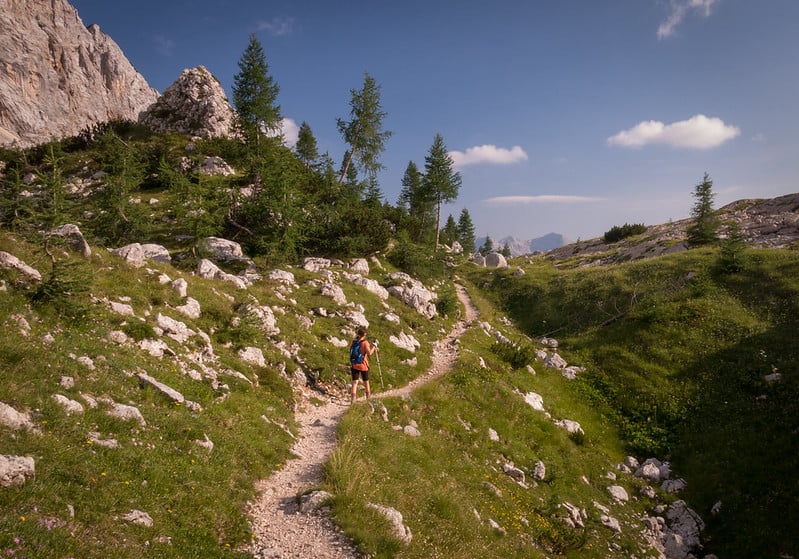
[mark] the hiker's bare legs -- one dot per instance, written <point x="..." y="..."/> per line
<point x="368" y="389"/>
<point x="354" y="391"/>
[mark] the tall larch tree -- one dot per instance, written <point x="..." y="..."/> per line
<point x="440" y="180"/>
<point x="704" y="230"/>
<point x="466" y="231"/>
<point x="364" y="131"/>
<point x="255" y="95"/>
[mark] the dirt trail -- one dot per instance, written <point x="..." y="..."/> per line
<point x="280" y="530"/>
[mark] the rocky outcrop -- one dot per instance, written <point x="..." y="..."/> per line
<point x="58" y="76"/>
<point x="763" y="223"/>
<point x="195" y="104"/>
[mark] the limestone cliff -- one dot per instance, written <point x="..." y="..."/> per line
<point x="58" y="76"/>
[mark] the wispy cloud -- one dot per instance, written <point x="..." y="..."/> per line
<point x="698" y="132"/>
<point x="541" y="199"/>
<point x="164" y="46"/>
<point x="277" y="27"/>
<point x="679" y="10"/>
<point x="488" y="154"/>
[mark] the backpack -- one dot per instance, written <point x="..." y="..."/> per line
<point x="355" y="352"/>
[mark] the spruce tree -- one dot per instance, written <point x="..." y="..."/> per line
<point x="466" y="232"/>
<point x="440" y="181"/>
<point x="255" y="95"/>
<point x="450" y="230"/>
<point x="704" y="230"/>
<point x="306" y="148"/>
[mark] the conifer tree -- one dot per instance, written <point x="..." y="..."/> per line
<point x="440" y="181"/>
<point x="704" y="230"/>
<point x="419" y="203"/>
<point x="466" y="231"/>
<point x="364" y="131"/>
<point x="450" y="230"/>
<point x="255" y="95"/>
<point x="306" y="148"/>
<point x="488" y="246"/>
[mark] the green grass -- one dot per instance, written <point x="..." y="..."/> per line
<point x="677" y="352"/>
<point x="438" y="481"/>
<point x="196" y="498"/>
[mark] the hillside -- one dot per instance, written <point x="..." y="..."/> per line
<point x="154" y="373"/>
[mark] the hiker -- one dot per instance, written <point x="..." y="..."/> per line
<point x="360" y="350"/>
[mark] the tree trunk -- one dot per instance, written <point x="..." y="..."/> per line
<point x="438" y="224"/>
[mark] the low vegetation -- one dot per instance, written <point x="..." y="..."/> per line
<point x="619" y="232"/>
<point x="680" y="352"/>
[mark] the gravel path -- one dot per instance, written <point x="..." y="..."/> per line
<point x="280" y="530"/>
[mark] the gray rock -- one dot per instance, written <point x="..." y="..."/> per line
<point x="15" y="420"/>
<point x="72" y="234"/>
<point x="80" y="74"/>
<point x="401" y="531"/>
<point x="314" y="501"/>
<point x="195" y="104"/>
<point x="71" y="407"/>
<point x="10" y="262"/>
<point x="495" y="260"/>
<point x="15" y="470"/>
<point x="133" y="254"/>
<point x="618" y="493"/>
<point x="167" y="391"/>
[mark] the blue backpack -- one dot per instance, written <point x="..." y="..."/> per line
<point x="355" y="352"/>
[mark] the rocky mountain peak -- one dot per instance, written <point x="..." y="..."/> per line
<point x="195" y="104"/>
<point x="58" y="76"/>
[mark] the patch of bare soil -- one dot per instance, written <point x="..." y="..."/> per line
<point x="280" y="530"/>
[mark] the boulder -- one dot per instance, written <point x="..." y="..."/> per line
<point x="133" y="254"/>
<point x="495" y="260"/>
<point x="405" y="341"/>
<point x="195" y="104"/>
<point x="360" y="266"/>
<point x="74" y="238"/>
<point x="10" y="262"/>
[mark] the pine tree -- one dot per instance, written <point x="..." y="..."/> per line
<point x="255" y="95"/>
<point x="732" y="248"/>
<point x="505" y="250"/>
<point x="466" y="232"/>
<point x="488" y="246"/>
<point x="704" y="230"/>
<point x="419" y="203"/>
<point x="306" y="148"/>
<point x="364" y="131"/>
<point x="440" y="181"/>
<point x="450" y="232"/>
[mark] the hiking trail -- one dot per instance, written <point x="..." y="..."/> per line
<point x="280" y="531"/>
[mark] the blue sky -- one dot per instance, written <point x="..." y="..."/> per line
<point x="567" y="116"/>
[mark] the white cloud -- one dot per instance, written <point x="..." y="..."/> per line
<point x="277" y="27"/>
<point x="698" y="132"/>
<point x="681" y="8"/>
<point x="541" y="199"/>
<point x="288" y="130"/>
<point x="488" y="154"/>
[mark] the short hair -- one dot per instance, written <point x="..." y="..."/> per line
<point x="361" y="332"/>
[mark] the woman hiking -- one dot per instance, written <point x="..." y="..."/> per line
<point x="360" y="350"/>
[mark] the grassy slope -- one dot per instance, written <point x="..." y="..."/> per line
<point x="437" y="481"/>
<point x="679" y="352"/>
<point x="196" y="499"/>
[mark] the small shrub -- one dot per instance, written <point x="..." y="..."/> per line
<point x="447" y="302"/>
<point x="139" y="330"/>
<point x="515" y="355"/>
<point x="617" y="233"/>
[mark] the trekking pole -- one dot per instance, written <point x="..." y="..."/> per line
<point x="379" y="370"/>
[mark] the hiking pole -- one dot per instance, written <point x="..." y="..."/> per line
<point x="379" y="369"/>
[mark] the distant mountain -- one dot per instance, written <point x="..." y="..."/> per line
<point x="519" y="246"/>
